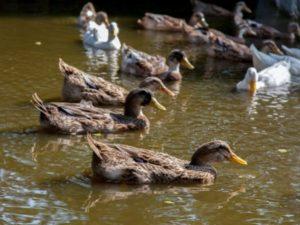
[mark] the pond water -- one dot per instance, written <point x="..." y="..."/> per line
<point x="45" y="178"/>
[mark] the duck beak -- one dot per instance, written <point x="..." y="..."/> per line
<point x="236" y="159"/>
<point x="167" y="91"/>
<point x="204" y="23"/>
<point x="157" y="105"/>
<point x="247" y="9"/>
<point x="186" y="63"/>
<point x="252" y="87"/>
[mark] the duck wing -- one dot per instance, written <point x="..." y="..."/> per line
<point x="295" y="63"/>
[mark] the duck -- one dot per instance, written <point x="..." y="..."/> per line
<point x="276" y="75"/>
<point x="152" y="21"/>
<point x="79" y="85"/>
<point x="218" y="46"/>
<point x="265" y="31"/>
<point x="116" y="163"/>
<point x="83" y="117"/>
<point x="112" y="43"/>
<point x="100" y="24"/>
<point x="210" y="9"/>
<point x="261" y="60"/>
<point x="87" y="14"/>
<point x="269" y="46"/>
<point x="144" y="65"/>
<point x="198" y="21"/>
<point x="294" y="52"/>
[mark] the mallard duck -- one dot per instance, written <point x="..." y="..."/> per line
<point x="218" y="46"/>
<point x="264" y="31"/>
<point x="83" y="117"/>
<point x="294" y="52"/>
<point x="269" y="46"/>
<point x="79" y="85"/>
<point x="198" y="21"/>
<point x="210" y="9"/>
<point x="262" y="60"/>
<point x="276" y="75"/>
<point x="87" y="14"/>
<point x="238" y="17"/>
<point x="142" y="64"/>
<point x="113" y="42"/>
<point x="152" y="21"/>
<point x="116" y="163"/>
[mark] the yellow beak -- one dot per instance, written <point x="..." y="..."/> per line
<point x="157" y="105"/>
<point x="252" y="87"/>
<point x="236" y="159"/>
<point x="186" y="63"/>
<point x="167" y="91"/>
<point x="247" y="9"/>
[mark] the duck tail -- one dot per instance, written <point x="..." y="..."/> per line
<point x="39" y="104"/>
<point x="94" y="145"/>
<point x="67" y="69"/>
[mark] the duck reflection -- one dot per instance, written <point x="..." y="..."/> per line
<point x="98" y="58"/>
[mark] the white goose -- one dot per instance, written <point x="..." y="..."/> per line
<point x="294" y="52"/>
<point x="113" y="42"/>
<point x="262" y="60"/>
<point x="276" y="75"/>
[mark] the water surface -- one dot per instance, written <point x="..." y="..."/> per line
<point x="45" y="178"/>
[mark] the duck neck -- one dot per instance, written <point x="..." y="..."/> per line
<point x="132" y="110"/>
<point x="173" y="67"/>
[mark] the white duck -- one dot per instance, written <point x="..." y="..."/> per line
<point x="100" y="24"/>
<point x="294" y="52"/>
<point x="113" y="42"/>
<point x="262" y="60"/>
<point x="276" y="75"/>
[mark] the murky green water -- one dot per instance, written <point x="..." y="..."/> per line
<point x="44" y="178"/>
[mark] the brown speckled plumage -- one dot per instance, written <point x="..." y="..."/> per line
<point x="126" y="164"/>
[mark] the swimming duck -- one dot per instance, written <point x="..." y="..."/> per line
<point x="117" y="163"/>
<point x="87" y="14"/>
<point x="142" y="64"/>
<point x="79" y="85"/>
<point x="276" y="75"/>
<point x="218" y="46"/>
<point x="198" y="21"/>
<point x="83" y="117"/>
<point x="210" y="9"/>
<point x="264" y="31"/>
<point x="294" y="52"/>
<point x="269" y="46"/>
<point x="152" y="21"/>
<point x="113" y="42"/>
<point x="261" y="60"/>
<point x="100" y="24"/>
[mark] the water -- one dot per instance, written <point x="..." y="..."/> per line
<point x="46" y="178"/>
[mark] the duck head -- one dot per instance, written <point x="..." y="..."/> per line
<point x="242" y="7"/>
<point x="176" y="58"/>
<point x="198" y="18"/>
<point x="251" y="79"/>
<point x="294" y="29"/>
<point x="153" y="84"/>
<point x="269" y="46"/>
<point x="215" y="151"/>
<point x="101" y="17"/>
<point x="138" y="98"/>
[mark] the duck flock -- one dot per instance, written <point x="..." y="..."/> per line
<point x="84" y="95"/>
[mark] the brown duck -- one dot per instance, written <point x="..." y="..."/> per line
<point x="79" y="85"/>
<point x="145" y="65"/>
<point x="126" y="164"/>
<point x="83" y="117"/>
<point x="210" y="9"/>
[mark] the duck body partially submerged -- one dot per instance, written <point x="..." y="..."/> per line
<point x="116" y="163"/>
